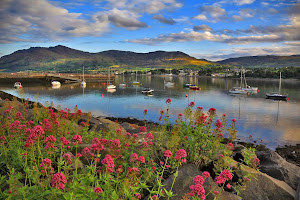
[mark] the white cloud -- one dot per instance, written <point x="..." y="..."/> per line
<point x="243" y="2"/>
<point x="201" y="17"/>
<point x="213" y="13"/>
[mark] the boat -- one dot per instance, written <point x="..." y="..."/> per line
<point x="83" y="83"/>
<point x="109" y="85"/>
<point x="194" y="87"/>
<point x="277" y="95"/>
<point x="17" y="85"/>
<point x="122" y="85"/>
<point x="248" y="88"/>
<point x="187" y="85"/>
<point x="238" y="90"/>
<point x="136" y="82"/>
<point x="147" y="91"/>
<point x="56" y="83"/>
<point x="170" y="73"/>
<point x="169" y="84"/>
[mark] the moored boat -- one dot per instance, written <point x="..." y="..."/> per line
<point x="55" y="83"/>
<point x="17" y="85"/>
<point x="147" y="91"/>
<point x="194" y="87"/>
<point x="277" y="95"/>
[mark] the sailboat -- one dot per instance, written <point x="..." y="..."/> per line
<point x="238" y="90"/>
<point x="248" y="88"/>
<point x="136" y="82"/>
<point x="83" y="83"/>
<point x="109" y="85"/>
<point x="277" y="95"/>
<point x="122" y="85"/>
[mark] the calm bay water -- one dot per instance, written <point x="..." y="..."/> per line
<point x="273" y="122"/>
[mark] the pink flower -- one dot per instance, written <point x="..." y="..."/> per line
<point x="256" y="161"/>
<point x="133" y="157"/>
<point x="133" y="170"/>
<point x="78" y="155"/>
<point x="82" y="124"/>
<point x="19" y="116"/>
<point x="109" y="162"/>
<point x="226" y="174"/>
<point x="141" y="159"/>
<point x="154" y="197"/>
<point x="58" y="180"/>
<point x="168" y="101"/>
<point x="149" y="136"/>
<point x="216" y="192"/>
<point x="206" y="174"/>
<point x="179" y="115"/>
<point x="143" y="129"/>
<point x="198" y="180"/>
<point x="168" y="166"/>
<point x="220" y="134"/>
<point x="137" y="195"/>
<point x="98" y="190"/>
<point x="228" y="186"/>
<point x="46" y="163"/>
<point x="167" y="153"/>
<point x="77" y="139"/>
<point x="181" y="153"/>
<point x="199" y="108"/>
<point x="145" y="112"/>
<point x="198" y="190"/>
<point x="192" y="104"/>
<point x="219" y="124"/>
<point x="233" y="120"/>
<point x="219" y="180"/>
<point x="230" y="146"/>
<point x="161" y="112"/>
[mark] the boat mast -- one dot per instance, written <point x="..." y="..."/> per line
<point x="279" y="82"/>
<point x="241" y="84"/>
<point x="245" y="80"/>
<point x="136" y="75"/>
<point x="83" y="74"/>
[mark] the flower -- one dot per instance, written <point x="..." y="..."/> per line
<point x="58" y="180"/>
<point x="161" y="112"/>
<point x="133" y="157"/>
<point x="137" y="195"/>
<point x="77" y="139"/>
<point x="143" y="129"/>
<point x="145" y="112"/>
<point x="168" y="101"/>
<point x="109" y="162"/>
<point x="216" y="192"/>
<point x="46" y="163"/>
<point x="230" y="146"/>
<point x="206" y="174"/>
<point x="98" y="190"/>
<point x="197" y="190"/>
<point x="141" y="159"/>
<point x="233" y="120"/>
<point x="149" y="136"/>
<point x="167" y="153"/>
<point x="198" y="180"/>
<point x="181" y="153"/>
<point x="228" y="186"/>
<point x="192" y="104"/>
<point x="154" y="197"/>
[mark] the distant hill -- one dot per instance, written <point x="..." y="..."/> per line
<point x="264" y="61"/>
<point x="66" y="59"/>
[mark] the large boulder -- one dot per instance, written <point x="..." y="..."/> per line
<point x="185" y="179"/>
<point x="264" y="187"/>
<point x="274" y="165"/>
<point x="297" y="197"/>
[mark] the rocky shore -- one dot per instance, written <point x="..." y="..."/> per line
<point x="278" y="178"/>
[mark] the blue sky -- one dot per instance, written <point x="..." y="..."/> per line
<point x="208" y="29"/>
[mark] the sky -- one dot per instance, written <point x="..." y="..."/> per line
<point x="205" y="29"/>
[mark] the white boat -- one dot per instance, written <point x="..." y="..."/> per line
<point x="122" y="85"/>
<point x="55" y="83"/>
<point x="248" y="88"/>
<point x="136" y="82"/>
<point x="147" y="91"/>
<point x="237" y="90"/>
<point x="83" y="83"/>
<point x="169" y="84"/>
<point x="109" y="85"/>
<point x="277" y="95"/>
<point x="17" y="85"/>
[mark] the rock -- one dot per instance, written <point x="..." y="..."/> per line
<point x="297" y="197"/>
<point x="275" y="166"/>
<point x="265" y="187"/>
<point x="101" y="124"/>
<point x="129" y="127"/>
<point x="185" y="178"/>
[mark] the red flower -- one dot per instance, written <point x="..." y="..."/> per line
<point x="143" y="129"/>
<point x="141" y="159"/>
<point x="168" y="101"/>
<point x="137" y="195"/>
<point x="198" y="180"/>
<point x="181" y="153"/>
<point x="109" y="162"/>
<point x="167" y="153"/>
<point x="77" y="139"/>
<point x="154" y="197"/>
<point x="145" y="112"/>
<point x="233" y="120"/>
<point x="98" y="190"/>
<point x="58" y="180"/>
<point x="133" y="157"/>
<point x="161" y="112"/>
<point x="216" y="192"/>
<point x="228" y="186"/>
<point x="192" y="104"/>
<point x="206" y="174"/>
<point x="197" y="190"/>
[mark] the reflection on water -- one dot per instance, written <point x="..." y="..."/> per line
<point x="274" y="122"/>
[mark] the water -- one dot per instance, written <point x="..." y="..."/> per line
<point x="273" y="122"/>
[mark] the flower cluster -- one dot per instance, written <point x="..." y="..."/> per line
<point x="223" y="177"/>
<point x="58" y="180"/>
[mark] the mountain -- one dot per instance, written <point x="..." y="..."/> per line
<point x="263" y="61"/>
<point x="66" y="59"/>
